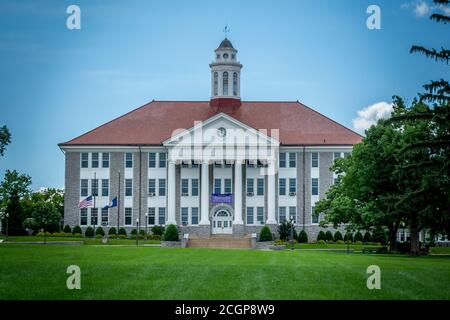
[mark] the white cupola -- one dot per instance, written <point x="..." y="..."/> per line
<point x="225" y="72"/>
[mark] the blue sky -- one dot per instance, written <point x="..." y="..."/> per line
<point x="56" y="83"/>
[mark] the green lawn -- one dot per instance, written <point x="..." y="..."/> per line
<point x="440" y="250"/>
<point x="331" y="246"/>
<point x="116" y="272"/>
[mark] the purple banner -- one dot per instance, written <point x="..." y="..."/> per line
<point x="221" y="198"/>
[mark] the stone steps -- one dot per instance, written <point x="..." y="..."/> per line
<point x="219" y="242"/>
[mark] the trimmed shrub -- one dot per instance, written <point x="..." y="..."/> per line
<point x="122" y="232"/>
<point x="98" y="236"/>
<point x="348" y="237"/>
<point x="133" y="233"/>
<point x="69" y="234"/>
<point x="302" y="237"/>
<point x="358" y="242"/>
<point x="154" y="237"/>
<point x="280" y="242"/>
<point x="122" y="236"/>
<point x="379" y="235"/>
<point x="112" y="231"/>
<point x="67" y="229"/>
<point x="358" y="237"/>
<point x="321" y="236"/>
<point x="142" y="233"/>
<point x="367" y="237"/>
<point x="171" y="233"/>
<point x="338" y="236"/>
<point x="328" y="236"/>
<point x="42" y="234"/>
<point x="285" y="230"/>
<point x="321" y="241"/>
<point x="78" y="235"/>
<point x="58" y="234"/>
<point x="265" y="234"/>
<point x="89" y="233"/>
<point x="99" y="231"/>
<point x="340" y="242"/>
<point x="77" y="229"/>
<point x="158" y="230"/>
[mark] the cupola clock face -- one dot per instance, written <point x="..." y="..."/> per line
<point x="225" y="55"/>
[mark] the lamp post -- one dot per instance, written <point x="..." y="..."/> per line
<point x="137" y="228"/>
<point x="146" y="224"/>
<point x="292" y="231"/>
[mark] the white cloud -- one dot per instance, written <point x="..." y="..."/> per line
<point x="421" y="9"/>
<point x="370" y="115"/>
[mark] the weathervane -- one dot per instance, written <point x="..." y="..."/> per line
<point x="226" y="30"/>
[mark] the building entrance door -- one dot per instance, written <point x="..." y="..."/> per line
<point x="222" y="222"/>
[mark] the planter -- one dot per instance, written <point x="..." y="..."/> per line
<point x="264" y="245"/>
<point x="278" y="247"/>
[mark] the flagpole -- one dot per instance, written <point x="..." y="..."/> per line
<point x="118" y="207"/>
<point x="95" y="179"/>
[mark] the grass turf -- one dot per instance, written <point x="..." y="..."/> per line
<point x="18" y="239"/>
<point x="112" y="272"/>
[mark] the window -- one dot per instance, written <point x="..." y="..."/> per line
<point x="225" y="83"/>
<point x="216" y="84"/>
<point x="83" y="217"/>
<point x="105" y="160"/>
<point x="260" y="187"/>
<point x="84" y="160"/>
<point x="346" y="154"/>
<point x="162" y="159"/>
<point x="151" y="216"/>
<point x="281" y="214"/>
<point x="235" y="84"/>
<point x="227" y="165"/>
<point x="250" y="186"/>
<point x="315" y="160"/>
<point x="84" y="188"/>
<point x="227" y="185"/>
<point x="128" y="160"/>
<point x="292" y="185"/>
<point x="217" y="186"/>
<point x="249" y="215"/>
<point x="128" y="187"/>
<point x="105" y="187"/>
<point x="282" y="160"/>
<point x="162" y="215"/>
<point x="184" y="216"/>
<point x="292" y="160"/>
<point x="293" y="213"/>
<point x="94" y="216"/>
<point x="194" y="187"/>
<point x="336" y="180"/>
<point x="314" y="216"/>
<point x="282" y="186"/>
<point x="260" y="215"/>
<point x="94" y="163"/>
<point x="152" y="186"/>
<point x="315" y="186"/>
<point x="336" y="155"/>
<point x="185" y="187"/>
<point x="105" y="217"/>
<point x="152" y="160"/>
<point x="128" y="216"/>
<point x="194" y="215"/>
<point x="94" y="187"/>
<point x="162" y="187"/>
<point x="185" y="164"/>
<point x="217" y="164"/>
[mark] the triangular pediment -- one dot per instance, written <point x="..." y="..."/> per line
<point x="221" y="130"/>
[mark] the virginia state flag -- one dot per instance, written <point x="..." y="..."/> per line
<point x="112" y="204"/>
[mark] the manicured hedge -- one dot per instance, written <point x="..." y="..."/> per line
<point x="358" y="237"/>
<point x="77" y="229"/>
<point x="89" y="233"/>
<point x="67" y="229"/>
<point x="302" y="237"/>
<point x="265" y="234"/>
<point x="171" y="233"/>
<point x="321" y="236"/>
<point x="100" y="231"/>
<point x="338" y="236"/>
<point x="329" y="236"/>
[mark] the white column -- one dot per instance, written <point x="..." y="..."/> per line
<point x="171" y="194"/>
<point x="271" y="219"/>
<point x="204" y="220"/>
<point x="238" y="192"/>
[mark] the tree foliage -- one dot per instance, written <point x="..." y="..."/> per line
<point x="5" y="139"/>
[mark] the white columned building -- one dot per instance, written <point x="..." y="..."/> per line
<point x="218" y="166"/>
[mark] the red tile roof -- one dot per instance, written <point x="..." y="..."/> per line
<point x="154" y="123"/>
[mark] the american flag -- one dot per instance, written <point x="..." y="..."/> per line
<point x="85" y="203"/>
